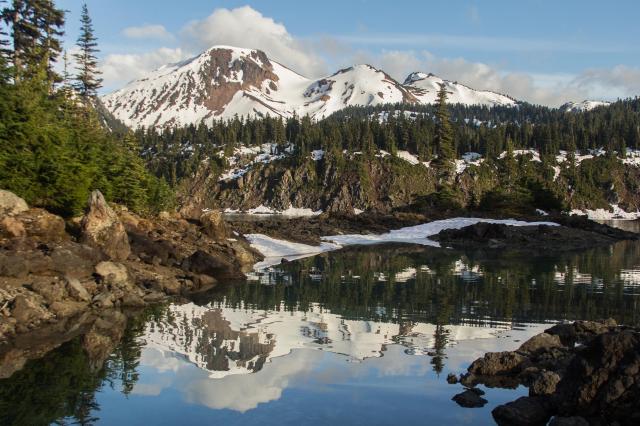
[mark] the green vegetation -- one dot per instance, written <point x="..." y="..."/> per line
<point x="54" y="148"/>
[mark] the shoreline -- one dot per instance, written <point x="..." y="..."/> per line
<point x="55" y="275"/>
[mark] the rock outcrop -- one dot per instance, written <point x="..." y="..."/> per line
<point x="114" y="259"/>
<point x="101" y="228"/>
<point x="582" y="373"/>
<point x="577" y="233"/>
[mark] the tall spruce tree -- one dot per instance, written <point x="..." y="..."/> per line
<point x="445" y="162"/>
<point x="50" y="22"/>
<point x="88" y="80"/>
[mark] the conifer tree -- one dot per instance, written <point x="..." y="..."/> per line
<point x="88" y="80"/>
<point x="445" y="163"/>
<point x="50" y="21"/>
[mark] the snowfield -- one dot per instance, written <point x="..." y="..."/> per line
<point x="275" y="250"/>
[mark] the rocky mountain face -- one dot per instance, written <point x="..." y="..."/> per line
<point x="378" y="185"/>
<point x="227" y="81"/>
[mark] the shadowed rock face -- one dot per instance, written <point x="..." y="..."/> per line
<point x="101" y="228"/>
<point x="586" y="369"/>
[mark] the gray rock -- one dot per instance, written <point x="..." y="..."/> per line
<point x="77" y="290"/>
<point x="51" y="291"/>
<point x="115" y="274"/>
<point x="101" y="228"/>
<point x="213" y="225"/>
<point x="540" y="342"/>
<point x="133" y="300"/>
<point x="67" y="308"/>
<point x="104" y="300"/>
<point x="11" y="204"/>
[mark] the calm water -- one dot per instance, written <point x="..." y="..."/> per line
<point x="362" y="336"/>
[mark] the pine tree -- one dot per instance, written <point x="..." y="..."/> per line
<point x="445" y="162"/>
<point x="88" y="81"/>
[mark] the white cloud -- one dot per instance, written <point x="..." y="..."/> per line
<point x="119" y="69"/>
<point x="153" y="32"/>
<point x="246" y="27"/>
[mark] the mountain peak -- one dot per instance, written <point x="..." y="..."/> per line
<point x="225" y="81"/>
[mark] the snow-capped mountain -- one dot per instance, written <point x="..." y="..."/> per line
<point x="227" y="81"/>
<point x="425" y="88"/>
<point x="583" y="106"/>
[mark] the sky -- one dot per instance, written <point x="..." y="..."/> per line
<point x="544" y="52"/>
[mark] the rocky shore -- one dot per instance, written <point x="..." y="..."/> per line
<point x="585" y="373"/>
<point x="56" y="277"/>
<point x="575" y="233"/>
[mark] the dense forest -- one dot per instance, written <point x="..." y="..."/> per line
<point x="439" y="134"/>
<point x="54" y="148"/>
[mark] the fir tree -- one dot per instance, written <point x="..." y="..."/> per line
<point x="88" y="80"/>
<point x="445" y="162"/>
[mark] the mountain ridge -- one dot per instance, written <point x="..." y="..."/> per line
<point x="226" y="81"/>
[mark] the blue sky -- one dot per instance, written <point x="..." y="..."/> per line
<point x="542" y="51"/>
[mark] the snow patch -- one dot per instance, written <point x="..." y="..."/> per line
<point x="275" y="250"/>
<point x="616" y="212"/>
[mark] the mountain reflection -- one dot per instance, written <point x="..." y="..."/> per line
<point x="397" y="311"/>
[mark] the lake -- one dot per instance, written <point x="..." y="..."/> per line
<point x="365" y="335"/>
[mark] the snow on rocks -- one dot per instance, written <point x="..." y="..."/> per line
<point x="616" y="212"/>
<point x="247" y="157"/>
<point x="275" y="250"/>
<point x="317" y="155"/>
<point x="265" y="210"/>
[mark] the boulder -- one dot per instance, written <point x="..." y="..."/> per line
<point x="67" y="308"/>
<point x="11" y="204"/>
<point x="27" y="309"/>
<point x="102" y="228"/>
<point x="104" y="300"/>
<point x="202" y="262"/>
<point x="499" y="363"/>
<point x="539" y="343"/>
<point x="470" y="398"/>
<point x="132" y="300"/>
<point x="77" y="290"/>
<point x="51" y="291"/>
<point x="10" y="227"/>
<point x="544" y="384"/>
<point x="524" y="411"/>
<point x="213" y="225"/>
<point x="111" y="273"/>
<point x="42" y="225"/>
<point x="452" y="379"/>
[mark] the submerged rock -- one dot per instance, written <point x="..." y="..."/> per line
<point x="470" y="398"/>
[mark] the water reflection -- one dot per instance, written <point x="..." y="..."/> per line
<point x="383" y="323"/>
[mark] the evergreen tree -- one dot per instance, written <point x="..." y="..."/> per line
<point x="88" y="80"/>
<point x="445" y="162"/>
